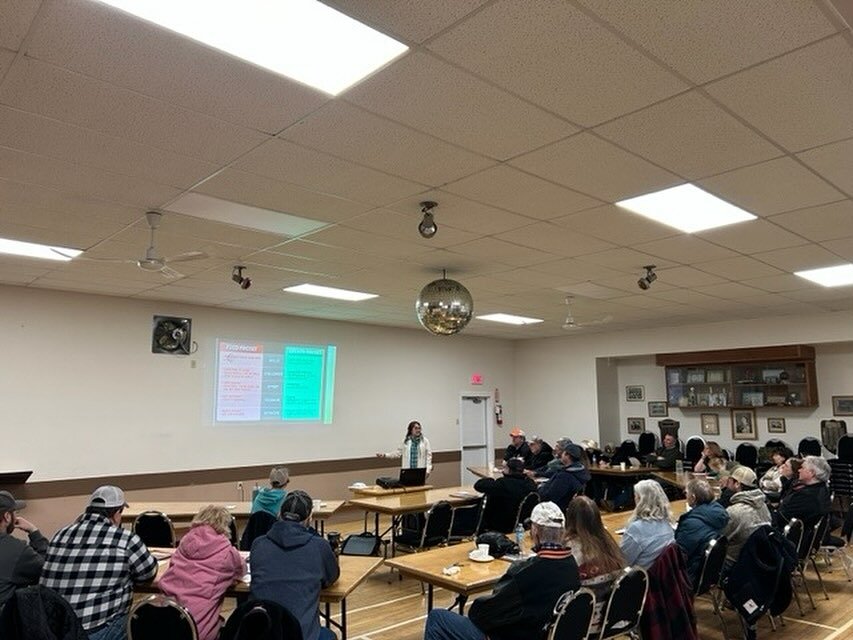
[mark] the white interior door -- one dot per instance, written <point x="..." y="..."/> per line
<point x="474" y="435"/>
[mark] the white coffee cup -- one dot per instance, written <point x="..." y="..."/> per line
<point x="482" y="550"/>
<point x="317" y="504"/>
<point x="622" y="466"/>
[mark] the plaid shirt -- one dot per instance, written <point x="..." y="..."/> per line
<point x="93" y="564"/>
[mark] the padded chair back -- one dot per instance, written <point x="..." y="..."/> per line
<point x="38" y="610"/>
<point x="845" y="448"/>
<point x="626" y="603"/>
<point x="648" y="443"/>
<point x="712" y="565"/>
<point x="155" y="529"/>
<point x="573" y="613"/>
<point x="261" y="620"/>
<point x="842" y="476"/>
<point x="693" y="449"/>
<point x="668" y="427"/>
<point x="526" y="508"/>
<point x="160" y="618"/>
<point x="746" y="454"/>
<point x="775" y="443"/>
<point x="437" y="525"/>
<point x="809" y="446"/>
<point x="467" y="520"/>
<point x="628" y="449"/>
<point x="831" y="432"/>
<point x="258" y="524"/>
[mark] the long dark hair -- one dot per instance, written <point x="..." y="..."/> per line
<point x="584" y="526"/>
<point x="411" y="428"/>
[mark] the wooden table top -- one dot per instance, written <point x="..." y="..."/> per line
<point x="414" y="502"/>
<point x="185" y="510"/>
<point x="485" y="472"/>
<point x="354" y="571"/>
<point x="681" y="480"/>
<point x="376" y="490"/>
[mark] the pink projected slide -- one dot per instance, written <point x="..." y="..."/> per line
<point x="239" y="379"/>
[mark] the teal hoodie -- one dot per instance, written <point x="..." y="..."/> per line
<point x="269" y="500"/>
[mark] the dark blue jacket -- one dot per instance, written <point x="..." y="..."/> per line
<point x="695" y="529"/>
<point x="290" y="565"/>
<point x="565" y="485"/>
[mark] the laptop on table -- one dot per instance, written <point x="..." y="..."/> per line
<point x="413" y="477"/>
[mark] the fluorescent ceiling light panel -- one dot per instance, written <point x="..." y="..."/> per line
<point x="687" y="208"/>
<point x="244" y="215"/>
<point x="330" y="292"/>
<point x="304" y="40"/>
<point x="837" y="276"/>
<point x="507" y="318"/>
<point x="34" y="250"/>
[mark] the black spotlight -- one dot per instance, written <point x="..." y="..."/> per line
<point x="237" y="276"/>
<point x="648" y="277"/>
<point x="427" y="227"/>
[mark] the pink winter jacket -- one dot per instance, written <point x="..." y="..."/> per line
<point x="201" y="570"/>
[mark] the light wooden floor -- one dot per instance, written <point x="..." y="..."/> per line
<point x="386" y="608"/>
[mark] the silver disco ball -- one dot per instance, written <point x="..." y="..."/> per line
<point x="444" y="307"/>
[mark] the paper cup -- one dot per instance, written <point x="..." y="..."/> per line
<point x="482" y="550"/>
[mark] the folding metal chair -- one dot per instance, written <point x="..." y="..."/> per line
<point x="625" y="606"/>
<point x="709" y="576"/>
<point x="155" y="529"/>
<point x="573" y="613"/>
<point x="162" y="618"/>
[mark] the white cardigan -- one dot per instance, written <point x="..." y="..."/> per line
<point x="424" y="454"/>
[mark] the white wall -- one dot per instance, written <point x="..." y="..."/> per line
<point x="556" y="378"/>
<point x="82" y="395"/>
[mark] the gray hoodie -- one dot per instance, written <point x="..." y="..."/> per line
<point x="747" y="511"/>
<point x="20" y="563"/>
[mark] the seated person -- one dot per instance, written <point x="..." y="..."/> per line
<point x="202" y="568"/>
<point x="809" y="499"/>
<point x="567" y="482"/>
<point x="553" y="465"/>
<point x="747" y="511"/>
<point x="789" y="476"/>
<point x="667" y="455"/>
<point x="20" y="563"/>
<point x="599" y="559"/>
<point x="704" y="522"/>
<point x="771" y="481"/>
<point x="541" y="453"/>
<point x="270" y="499"/>
<point x="649" y="530"/>
<point x="524" y="598"/>
<point x="713" y="461"/>
<point x="504" y="495"/>
<point x="519" y="447"/>
<point x="291" y="565"/>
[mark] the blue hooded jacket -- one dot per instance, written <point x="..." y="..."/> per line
<point x="695" y="529"/>
<point x="290" y="565"/>
<point x="564" y="485"/>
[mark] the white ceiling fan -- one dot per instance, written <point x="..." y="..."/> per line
<point x="570" y="324"/>
<point x="152" y="261"/>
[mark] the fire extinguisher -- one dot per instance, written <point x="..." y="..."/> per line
<point x="499" y="412"/>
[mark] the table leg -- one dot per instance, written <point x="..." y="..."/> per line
<point x="462" y="600"/>
<point x="429" y="597"/>
<point x="344" y="619"/>
<point x="376" y="525"/>
<point x="328" y="615"/>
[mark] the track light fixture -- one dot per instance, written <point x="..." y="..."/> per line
<point x="237" y="276"/>
<point x="648" y="277"/>
<point x="427" y="227"/>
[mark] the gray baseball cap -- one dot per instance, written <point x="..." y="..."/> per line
<point x="108" y="497"/>
<point x="8" y="502"/>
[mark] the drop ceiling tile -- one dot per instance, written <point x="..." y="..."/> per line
<point x="258" y="191"/>
<point x="56" y="93"/>
<point x="242" y="238"/>
<point x="690" y="136"/>
<point x="688" y="277"/>
<point x="593" y="290"/>
<point x="739" y="268"/>
<point x="772" y="187"/>
<point x="729" y="291"/>
<point x="557" y="240"/>
<point x="691" y="298"/>
<point x="819" y="294"/>
<point x="827" y="222"/>
<point x="525" y="279"/>
<point x="16" y="16"/>
<point x="368" y="242"/>
<point x="494" y="285"/>
<point x="752" y="236"/>
<point x="96" y="40"/>
<point x="321" y="252"/>
<point x="625" y="259"/>
<point x="69" y="235"/>
<point x="47" y="137"/>
<point x="842" y="247"/>
<point x="413" y="21"/>
<point x="684" y="249"/>
<point x="288" y="162"/>
<point x="615" y="174"/>
<point x="576" y="271"/>
<point x="809" y="256"/>
<point x="296" y="265"/>
<point x="357" y="135"/>
<point x="834" y="162"/>
<point x="515" y="45"/>
<point x="393" y="224"/>
<point x="616" y="225"/>
<point x="801" y="99"/>
<point x="503" y="252"/>
<point x="84" y="181"/>
<point x="509" y="188"/>
<point x="6" y="59"/>
<point x="432" y="96"/>
<point x="706" y="40"/>
<point x="462" y="213"/>
<point x="90" y="286"/>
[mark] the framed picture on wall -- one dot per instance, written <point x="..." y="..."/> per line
<point x="743" y="424"/>
<point x="775" y="425"/>
<point x="842" y="405"/>
<point x="635" y="393"/>
<point x="658" y="409"/>
<point x="636" y="425"/>
<point x="710" y="424"/>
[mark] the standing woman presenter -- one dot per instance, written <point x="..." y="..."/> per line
<point x="415" y="452"/>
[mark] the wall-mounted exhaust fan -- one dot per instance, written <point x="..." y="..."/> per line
<point x="172" y="335"/>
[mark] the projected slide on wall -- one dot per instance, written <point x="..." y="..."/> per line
<point x="270" y="382"/>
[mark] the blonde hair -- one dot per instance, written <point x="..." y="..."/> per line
<point x="214" y="516"/>
<point x="652" y="503"/>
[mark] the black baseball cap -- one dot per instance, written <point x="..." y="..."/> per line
<point x="297" y="506"/>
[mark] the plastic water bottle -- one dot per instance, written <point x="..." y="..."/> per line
<point x="519" y="538"/>
<point x="679" y="467"/>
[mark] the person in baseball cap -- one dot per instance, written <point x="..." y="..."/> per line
<point x="504" y="497"/>
<point x="519" y="447"/>
<point x="107" y="497"/>
<point x="569" y="480"/>
<point x="747" y="509"/>
<point x="20" y="563"/>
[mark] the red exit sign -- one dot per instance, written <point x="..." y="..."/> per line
<point x="476" y="378"/>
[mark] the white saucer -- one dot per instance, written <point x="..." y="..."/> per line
<point x="476" y="557"/>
